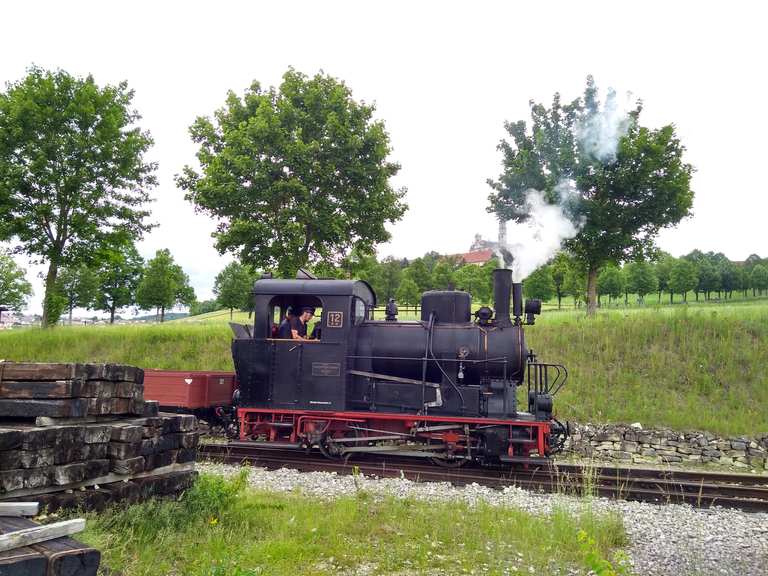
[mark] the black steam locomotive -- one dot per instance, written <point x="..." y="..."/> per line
<point x="446" y="387"/>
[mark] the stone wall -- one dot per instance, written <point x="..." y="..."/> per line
<point x="632" y="443"/>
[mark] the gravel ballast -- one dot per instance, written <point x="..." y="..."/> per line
<point x="665" y="540"/>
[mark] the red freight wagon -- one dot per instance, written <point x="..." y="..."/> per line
<point x="189" y="391"/>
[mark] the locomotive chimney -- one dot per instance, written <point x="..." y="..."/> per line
<point x="502" y="288"/>
<point x="517" y="301"/>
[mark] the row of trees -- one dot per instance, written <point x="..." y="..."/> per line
<point x="296" y="175"/>
<point x="121" y="279"/>
<point x="704" y="274"/>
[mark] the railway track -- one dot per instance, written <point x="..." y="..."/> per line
<point x="702" y="489"/>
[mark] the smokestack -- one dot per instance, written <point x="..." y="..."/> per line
<point x="517" y="301"/>
<point x="502" y="287"/>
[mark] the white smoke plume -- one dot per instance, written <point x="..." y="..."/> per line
<point x="533" y="242"/>
<point x="600" y="133"/>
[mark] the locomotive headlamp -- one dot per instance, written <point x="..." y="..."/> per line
<point x="532" y="309"/>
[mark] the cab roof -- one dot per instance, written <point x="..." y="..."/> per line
<point x="276" y="287"/>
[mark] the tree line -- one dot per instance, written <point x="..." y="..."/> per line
<point x="121" y="279"/>
<point x="705" y="274"/>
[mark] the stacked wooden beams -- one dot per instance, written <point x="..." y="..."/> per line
<point x="29" y="390"/>
<point x="34" y="457"/>
<point x="31" y="549"/>
<point x="47" y="450"/>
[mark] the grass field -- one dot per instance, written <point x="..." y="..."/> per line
<point x="219" y="528"/>
<point x="702" y="367"/>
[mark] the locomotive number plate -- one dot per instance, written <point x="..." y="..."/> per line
<point x="326" y="369"/>
<point x="335" y="319"/>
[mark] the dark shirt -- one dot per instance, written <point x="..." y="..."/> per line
<point x="299" y="326"/>
<point x="285" y="329"/>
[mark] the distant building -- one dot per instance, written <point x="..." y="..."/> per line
<point x="480" y="252"/>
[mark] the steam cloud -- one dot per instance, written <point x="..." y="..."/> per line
<point x="600" y="133"/>
<point x="541" y="236"/>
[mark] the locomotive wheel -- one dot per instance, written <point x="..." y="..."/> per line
<point x="335" y="450"/>
<point x="449" y="462"/>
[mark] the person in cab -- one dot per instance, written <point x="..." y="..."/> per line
<point x="284" y="330"/>
<point x="299" y="323"/>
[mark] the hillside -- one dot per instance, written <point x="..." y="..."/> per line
<point x="687" y="368"/>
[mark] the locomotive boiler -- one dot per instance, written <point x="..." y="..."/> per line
<point x="453" y="386"/>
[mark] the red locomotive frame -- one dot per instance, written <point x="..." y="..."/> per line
<point x="305" y="428"/>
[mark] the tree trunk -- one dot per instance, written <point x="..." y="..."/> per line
<point x="592" y="290"/>
<point x="230" y="313"/>
<point x="50" y="287"/>
<point x="559" y="300"/>
<point x="671" y="297"/>
<point x="112" y="314"/>
<point x="162" y="314"/>
<point x="70" y="314"/>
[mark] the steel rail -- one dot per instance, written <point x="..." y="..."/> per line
<point x="701" y="489"/>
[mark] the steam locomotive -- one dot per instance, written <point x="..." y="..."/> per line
<point x="446" y="387"/>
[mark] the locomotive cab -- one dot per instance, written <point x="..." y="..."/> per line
<point x="292" y="374"/>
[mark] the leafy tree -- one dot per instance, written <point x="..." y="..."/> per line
<point x="295" y="175"/>
<point x="442" y="274"/>
<point x="683" y="278"/>
<point x="118" y="276"/>
<point x="14" y="288"/>
<point x="575" y="284"/>
<point x="391" y="274"/>
<point x="485" y="293"/>
<point x="729" y="278"/>
<point x="759" y="278"/>
<point x="72" y="172"/>
<point x="203" y="307"/>
<point x="78" y="286"/>
<point x="664" y="267"/>
<point x="642" y="279"/>
<point x="408" y="292"/>
<point x="623" y="199"/>
<point x="232" y="286"/>
<point x="539" y="284"/>
<point x="610" y="282"/>
<point x="709" y="278"/>
<point x="473" y="279"/>
<point x="163" y="285"/>
<point x="418" y="271"/>
<point x="560" y="266"/>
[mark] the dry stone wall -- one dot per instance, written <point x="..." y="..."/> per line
<point x="623" y="443"/>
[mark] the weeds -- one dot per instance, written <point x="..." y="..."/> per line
<point x="286" y="534"/>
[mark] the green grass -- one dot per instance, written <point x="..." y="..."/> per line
<point x="700" y="367"/>
<point x="170" y="346"/>
<point x="688" y="368"/>
<point x="219" y="528"/>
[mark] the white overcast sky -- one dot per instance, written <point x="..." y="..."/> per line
<point x="444" y="77"/>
